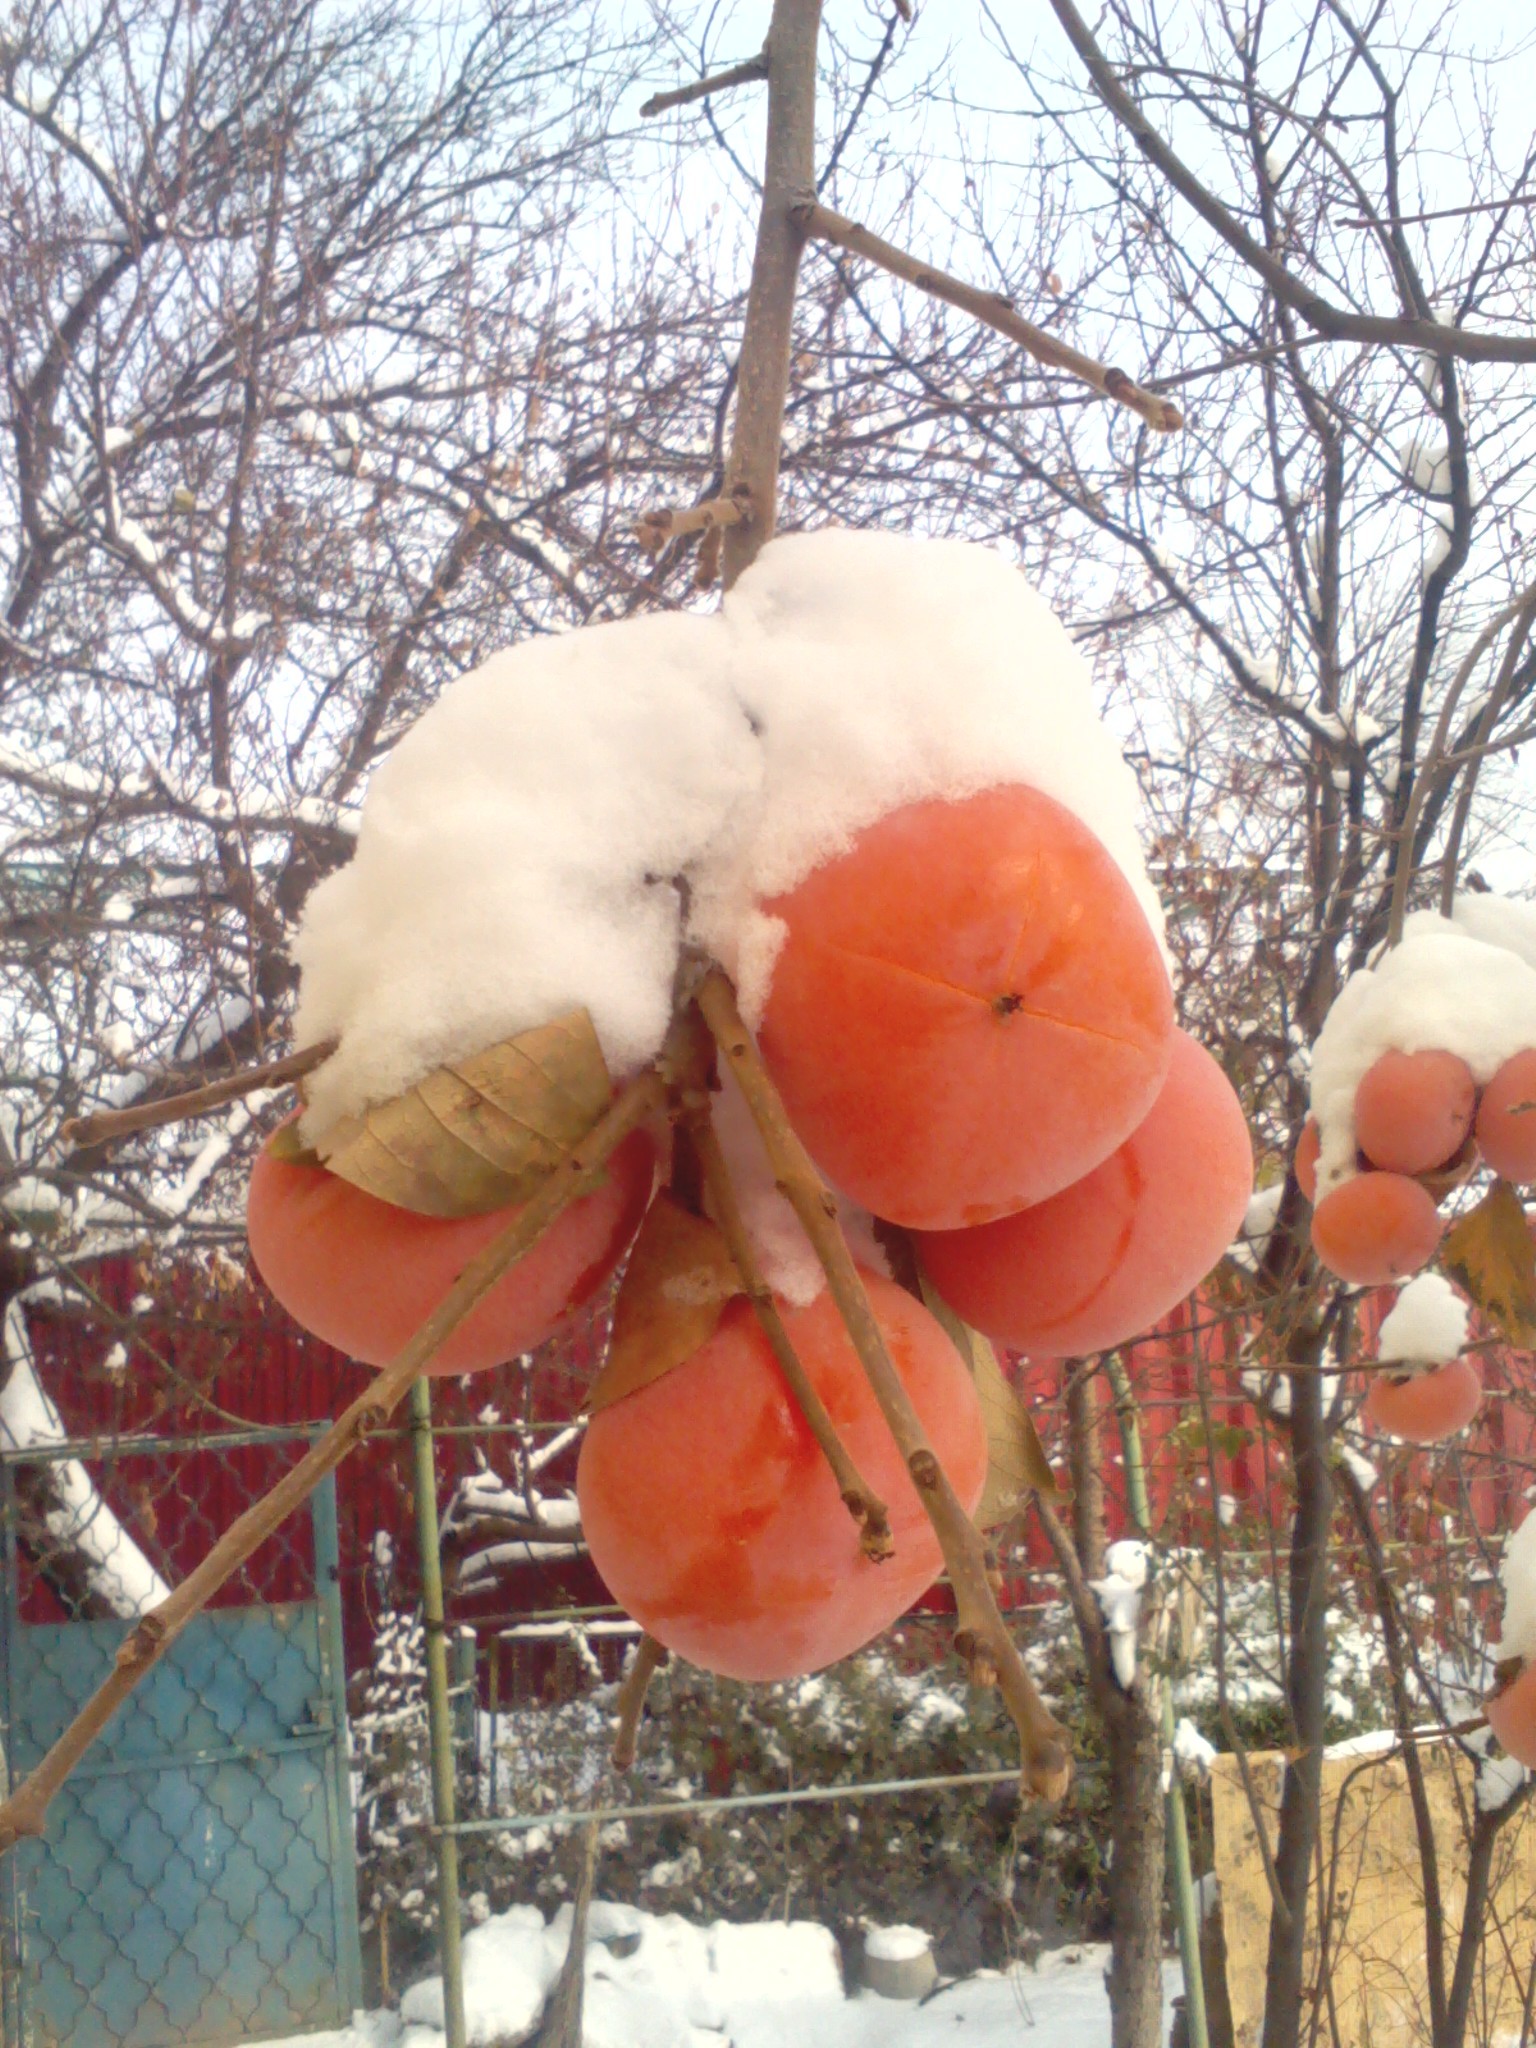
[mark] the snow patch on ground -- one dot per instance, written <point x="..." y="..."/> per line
<point x="657" y="1981"/>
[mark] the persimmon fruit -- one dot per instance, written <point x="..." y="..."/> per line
<point x="1512" y="1716"/>
<point x="714" y="1519"/>
<point x="969" y="1009"/>
<point x="1103" y="1259"/>
<point x="365" y="1275"/>
<point x="1413" y="1110"/>
<point x="1425" y="1407"/>
<point x="1506" y="1119"/>
<point x="1308" y="1150"/>
<point x="1375" y="1228"/>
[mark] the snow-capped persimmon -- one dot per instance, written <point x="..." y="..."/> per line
<point x="969" y="1010"/>
<point x="1506" y="1118"/>
<point x="1413" y="1110"/>
<point x="365" y="1275"/>
<point x="1375" y="1228"/>
<point x="714" y="1519"/>
<point x="1106" y="1257"/>
<point x="1425" y="1407"/>
<point x="1308" y="1148"/>
<point x="1512" y="1716"/>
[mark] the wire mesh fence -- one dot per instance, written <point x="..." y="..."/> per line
<point x="195" y="1879"/>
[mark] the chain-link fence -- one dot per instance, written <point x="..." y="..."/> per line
<point x="195" y="1883"/>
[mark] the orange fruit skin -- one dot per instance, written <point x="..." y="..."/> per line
<point x="714" y="1519"/>
<point x="1107" y="1256"/>
<point x="969" y="1010"/>
<point x="1506" y="1132"/>
<point x="1413" y="1110"/>
<point x="1376" y="1228"/>
<point x="1308" y="1147"/>
<point x="1512" y="1717"/>
<point x="1425" y="1407"/>
<point x="365" y="1275"/>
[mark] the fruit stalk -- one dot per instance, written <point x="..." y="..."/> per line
<point x="983" y="1641"/>
<point x="25" y="1812"/>
<point x="648" y="1660"/>
<point x="862" y="1502"/>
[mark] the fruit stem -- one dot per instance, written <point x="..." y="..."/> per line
<point x="582" y="1170"/>
<point x="861" y="1500"/>
<point x="648" y="1659"/>
<point x="981" y="1638"/>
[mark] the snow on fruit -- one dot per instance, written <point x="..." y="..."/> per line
<point x="873" y="787"/>
<point x="1438" y="1391"/>
<point x="1424" y="1065"/>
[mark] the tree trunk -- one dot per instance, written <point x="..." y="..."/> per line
<point x="1135" y="1872"/>
<point x="1306" y="1686"/>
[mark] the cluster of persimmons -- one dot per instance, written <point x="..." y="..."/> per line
<point x="1422" y="1126"/>
<point x="970" y="1025"/>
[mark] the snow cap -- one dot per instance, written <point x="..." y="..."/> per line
<point x="549" y="833"/>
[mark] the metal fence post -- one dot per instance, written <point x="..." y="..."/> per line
<point x="439" y="1715"/>
<point x="1185" y="1910"/>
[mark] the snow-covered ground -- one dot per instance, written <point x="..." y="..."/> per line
<point x="658" y="1981"/>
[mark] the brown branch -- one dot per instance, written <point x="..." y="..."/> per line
<point x="1321" y="316"/>
<point x="751" y="72"/>
<point x="108" y="1125"/>
<point x="994" y="311"/>
<point x="655" y="528"/>
<point x="860" y="1499"/>
<point x="648" y="1659"/>
<point x="980" y="1635"/>
<point x="25" y="1812"/>
<point x="789" y="178"/>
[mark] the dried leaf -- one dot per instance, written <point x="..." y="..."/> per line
<point x="679" y="1280"/>
<point x="1492" y="1254"/>
<point x="483" y="1133"/>
<point x="1016" y="1462"/>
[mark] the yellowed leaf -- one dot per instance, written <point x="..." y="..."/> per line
<point x="679" y="1280"/>
<point x="1016" y="1462"/>
<point x="1491" y="1253"/>
<point x="482" y="1133"/>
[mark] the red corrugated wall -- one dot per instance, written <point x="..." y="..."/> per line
<point x="214" y="1358"/>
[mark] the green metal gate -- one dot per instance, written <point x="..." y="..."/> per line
<point x="197" y="1881"/>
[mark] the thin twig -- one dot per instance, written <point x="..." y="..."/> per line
<point x="860" y="1499"/>
<point x="105" y="1126"/>
<point x="980" y="1635"/>
<point x="993" y="310"/>
<point x="647" y="1661"/>
<point x="752" y="72"/>
<point x="25" y="1812"/>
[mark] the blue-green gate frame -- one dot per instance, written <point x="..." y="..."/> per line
<point x="197" y="1883"/>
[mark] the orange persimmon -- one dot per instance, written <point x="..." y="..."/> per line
<point x="365" y="1275"/>
<point x="1413" y="1110"/>
<point x="714" y="1519"/>
<point x="1425" y="1407"/>
<point x="1106" y="1257"/>
<point x="969" y="1009"/>
<point x="1375" y="1228"/>
<point x="1506" y="1118"/>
